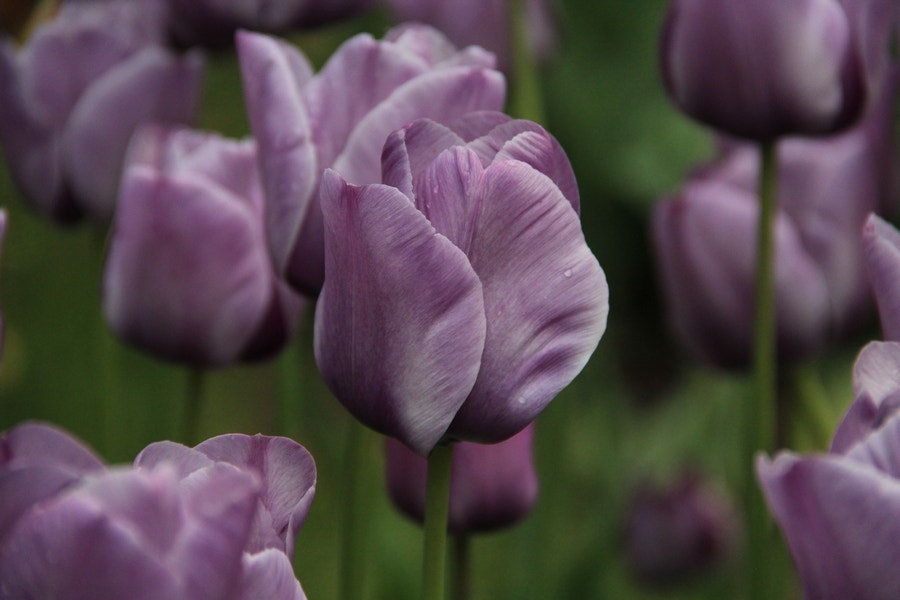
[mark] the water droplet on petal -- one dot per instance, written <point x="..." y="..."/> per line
<point x="522" y="400"/>
<point x="568" y="273"/>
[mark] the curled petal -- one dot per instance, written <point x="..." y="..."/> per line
<point x="529" y="238"/>
<point x="39" y="444"/>
<point x="409" y="150"/>
<point x="841" y="520"/>
<point x="270" y="575"/>
<point x="400" y="324"/>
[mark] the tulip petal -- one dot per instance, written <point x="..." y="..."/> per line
<point x="22" y="488"/>
<point x="39" y="444"/>
<point x="209" y="276"/>
<point x="400" y="324"/>
<point x="545" y="297"/>
<point x="841" y="520"/>
<point x="270" y="575"/>
<point x="442" y="95"/>
<point x="881" y="243"/>
<point x="273" y="73"/>
<point x="408" y="151"/>
<point x="177" y="456"/>
<point x="153" y="85"/>
<point x="876" y="387"/>
<point x="288" y="475"/>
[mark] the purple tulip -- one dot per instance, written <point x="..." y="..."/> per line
<point x="492" y="486"/>
<point x="182" y="525"/>
<point x="213" y="23"/>
<point x="482" y="23"/>
<point x="72" y="96"/>
<point x="340" y="118"/>
<point x="761" y="69"/>
<point x="705" y="240"/>
<point x="460" y="297"/>
<point x="882" y="260"/>
<point x="840" y="511"/>
<point x="679" y="532"/>
<point x="188" y="276"/>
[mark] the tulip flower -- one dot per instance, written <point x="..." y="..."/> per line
<point x="181" y="525"/>
<point x="75" y="92"/>
<point x="705" y="242"/>
<point x="679" y="532"/>
<point x="213" y="23"/>
<point x="840" y="511"/>
<point x="340" y="118"/>
<point x="460" y="296"/>
<point x="761" y="69"/>
<point x="482" y="23"/>
<point x="492" y="486"/>
<point x="188" y="276"/>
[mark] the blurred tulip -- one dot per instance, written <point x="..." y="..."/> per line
<point x="188" y="276"/>
<point x="492" y="486"/>
<point x="882" y="260"/>
<point x="705" y="240"/>
<point x="482" y="23"/>
<point x="840" y="512"/>
<point x="678" y="533"/>
<point x="72" y="96"/>
<point x="761" y="69"/>
<point x="182" y="525"/>
<point x="3" y="220"/>
<point x="461" y="297"/>
<point x="213" y="23"/>
<point x="340" y="118"/>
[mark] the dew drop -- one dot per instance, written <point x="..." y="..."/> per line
<point x="568" y="273"/>
<point x="521" y="400"/>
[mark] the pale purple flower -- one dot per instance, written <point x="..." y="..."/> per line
<point x="840" y="511"/>
<point x="71" y="97"/>
<point x="180" y="525"/>
<point x="761" y="69"/>
<point x="492" y="486"/>
<point x="460" y="296"/>
<point x="340" y="118"/>
<point x="188" y="276"/>
<point x="705" y="240"/>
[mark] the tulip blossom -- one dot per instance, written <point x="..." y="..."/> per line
<point x="188" y="276"/>
<point x="460" y="296"/>
<point x="761" y="69"/>
<point x="180" y="525"/>
<point x="679" y="532"/>
<point x="214" y="22"/>
<point x="840" y="511"/>
<point x="340" y="118"/>
<point x="482" y="23"/>
<point x="705" y="239"/>
<point x="492" y="486"/>
<point x="71" y="97"/>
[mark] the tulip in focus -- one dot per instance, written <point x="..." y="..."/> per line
<point x="188" y="276"/>
<point x="761" y="69"/>
<point x="492" y="486"/>
<point x="840" y="511"/>
<point x="71" y="97"/>
<point x="340" y="117"/>
<point x="460" y="296"/>
<point x="181" y="525"/>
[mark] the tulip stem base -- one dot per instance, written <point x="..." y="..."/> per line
<point x="193" y="398"/>
<point x="761" y="413"/>
<point x="815" y="415"/>
<point x="354" y="530"/>
<point x="527" y="101"/>
<point x="437" y="508"/>
<point x="461" y="571"/>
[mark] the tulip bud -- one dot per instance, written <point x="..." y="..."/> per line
<point x="75" y="92"/>
<point x="680" y="532"/>
<point x="492" y="486"/>
<point x="761" y="69"/>
<point x="188" y="276"/>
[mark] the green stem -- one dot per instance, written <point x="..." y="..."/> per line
<point x="193" y="397"/>
<point x="354" y="533"/>
<point x="289" y="391"/>
<point x="461" y="575"/>
<point x="761" y="408"/>
<point x="527" y="101"/>
<point x="437" y="506"/>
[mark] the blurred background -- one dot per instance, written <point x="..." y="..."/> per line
<point x="640" y="415"/>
